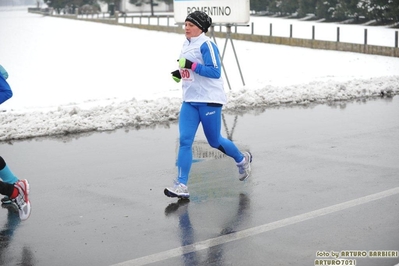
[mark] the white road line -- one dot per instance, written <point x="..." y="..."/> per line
<point x="257" y="230"/>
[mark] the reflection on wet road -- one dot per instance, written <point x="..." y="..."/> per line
<point x="22" y="257"/>
<point x="215" y="253"/>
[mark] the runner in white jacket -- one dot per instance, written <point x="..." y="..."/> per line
<point x="203" y="99"/>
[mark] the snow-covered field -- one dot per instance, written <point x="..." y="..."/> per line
<point x="73" y="76"/>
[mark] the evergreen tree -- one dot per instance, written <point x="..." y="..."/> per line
<point x="274" y="7"/>
<point x="380" y="10"/>
<point x="346" y="9"/>
<point x="306" y="7"/>
<point x="393" y="10"/>
<point x="289" y="7"/>
<point x="258" y="5"/>
<point x="325" y="9"/>
<point x="384" y="11"/>
<point x="60" y="4"/>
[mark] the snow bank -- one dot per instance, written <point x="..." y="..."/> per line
<point x="134" y="113"/>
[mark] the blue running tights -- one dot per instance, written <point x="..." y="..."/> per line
<point x="191" y="114"/>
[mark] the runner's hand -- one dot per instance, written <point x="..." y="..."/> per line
<point x="176" y="76"/>
<point x="185" y="63"/>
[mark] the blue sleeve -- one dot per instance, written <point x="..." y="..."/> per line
<point x="212" y="67"/>
<point x="5" y="90"/>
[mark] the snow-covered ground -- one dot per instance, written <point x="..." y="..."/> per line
<point x="73" y="76"/>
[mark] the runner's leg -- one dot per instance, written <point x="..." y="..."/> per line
<point x="211" y="119"/>
<point x="5" y="173"/>
<point x="188" y="125"/>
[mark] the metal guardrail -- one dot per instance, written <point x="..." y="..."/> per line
<point x="144" y="22"/>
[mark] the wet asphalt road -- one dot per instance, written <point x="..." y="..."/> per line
<point x="325" y="178"/>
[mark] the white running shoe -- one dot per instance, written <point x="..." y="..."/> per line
<point x="244" y="167"/>
<point x="178" y="190"/>
<point x="22" y="200"/>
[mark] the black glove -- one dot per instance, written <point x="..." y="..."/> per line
<point x="185" y="63"/>
<point x="176" y="75"/>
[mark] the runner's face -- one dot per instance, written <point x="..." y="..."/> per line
<point x="191" y="30"/>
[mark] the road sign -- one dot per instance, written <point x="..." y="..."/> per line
<point x="221" y="11"/>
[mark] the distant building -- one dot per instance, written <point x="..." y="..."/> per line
<point x="20" y="2"/>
